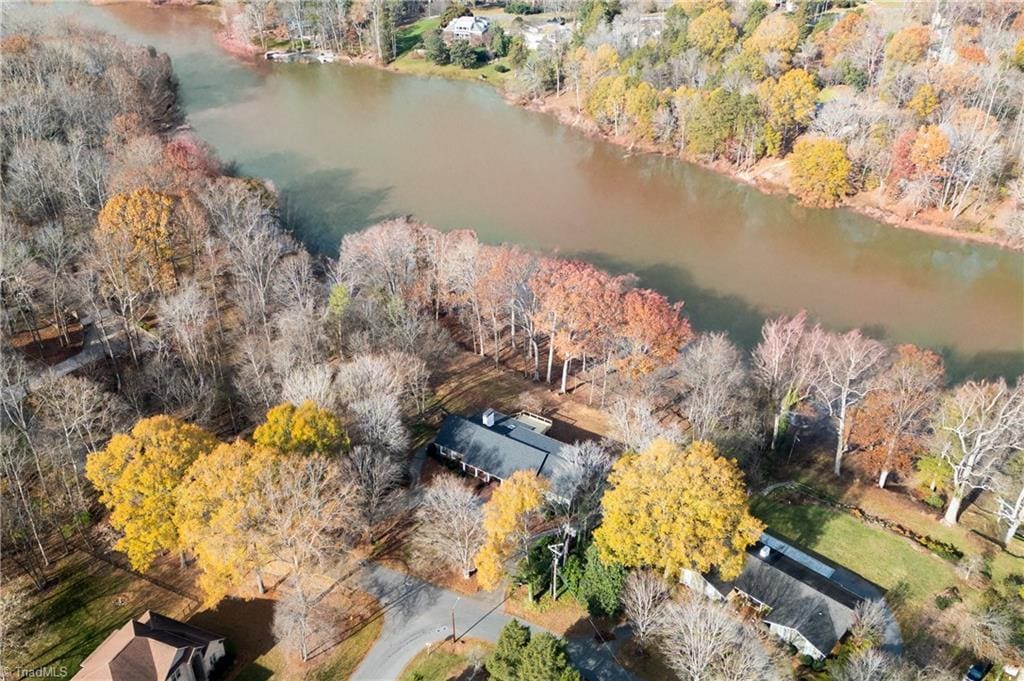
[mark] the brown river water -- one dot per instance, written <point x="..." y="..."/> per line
<point x="350" y="145"/>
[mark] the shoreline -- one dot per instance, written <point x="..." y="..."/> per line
<point x="757" y="177"/>
<point x="759" y="180"/>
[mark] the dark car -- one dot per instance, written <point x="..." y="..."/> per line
<point x="978" y="671"/>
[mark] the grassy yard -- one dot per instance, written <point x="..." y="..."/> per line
<point x="562" y="617"/>
<point x="89" y="599"/>
<point x="410" y="37"/>
<point x="877" y="554"/>
<point x="977" y="532"/>
<point x="443" y="662"/>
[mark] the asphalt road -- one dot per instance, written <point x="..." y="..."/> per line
<point x="417" y="613"/>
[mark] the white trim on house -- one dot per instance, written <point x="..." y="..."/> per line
<point x="467" y="27"/>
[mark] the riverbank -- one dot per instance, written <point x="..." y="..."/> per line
<point x="771" y="175"/>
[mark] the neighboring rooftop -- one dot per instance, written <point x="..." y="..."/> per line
<point x="468" y="24"/>
<point x="803" y="591"/>
<point x="502" y="445"/>
<point x="149" y="648"/>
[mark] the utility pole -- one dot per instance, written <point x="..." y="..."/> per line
<point x="454" y="639"/>
<point x="559" y="552"/>
<point x="556" y="550"/>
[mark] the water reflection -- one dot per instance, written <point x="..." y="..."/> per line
<point x="350" y="145"/>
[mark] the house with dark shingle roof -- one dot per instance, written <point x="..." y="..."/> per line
<point x="154" y="648"/>
<point x="803" y="598"/>
<point x="492" y="446"/>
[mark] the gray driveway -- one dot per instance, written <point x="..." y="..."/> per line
<point x="417" y="613"/>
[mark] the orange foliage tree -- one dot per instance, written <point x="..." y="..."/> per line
<point x="909" y="45"/>
<point x="652" y="331"/>
<point x="889" y="425"/>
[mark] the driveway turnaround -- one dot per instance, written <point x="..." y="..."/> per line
<point x="417" y="613"/>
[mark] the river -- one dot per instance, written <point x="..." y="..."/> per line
<point x="349" y="145"/>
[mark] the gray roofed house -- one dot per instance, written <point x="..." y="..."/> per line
<point x="805" y="599"/>
<point x="493" y="446"/>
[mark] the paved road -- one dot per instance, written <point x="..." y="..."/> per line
<point x="417" y="613"/>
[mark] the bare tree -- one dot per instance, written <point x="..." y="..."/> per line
<point x="22" y="523"/>
<point x="15" y="630"/>
<point x="786" y="364"/>
<point x="314" y="383"/>
<point x="848" y="363"/>
<point x="635" y="426"/>
<point x="715" y="379"/>
<point x="257" y="246"/>
<point x="298" y="619"/>
<point x="582" y="482"/>
<point x="307" y="506"/>
<point x="77" y="416"/>
<point x="368" y="375"/>
<point x="184" y="317"/>
<point x="117" y="286"/>
<point x="1009" y="490"/>
<point x="382" y="258"/>
<point x="298" y="338"/>
<point x="377" y="422"/>
<point x="871" y="665"/>
<point x="253" y="376"/>
<point x="703" y="639"/>
<point x="450" y="523"/>
<point x="870" y="618"/>
<point x="980" y="424"/>
<point x="415" y="377"/>
<point x="57" y="250"/>
<point x="989" y="633"/>
<point x="378" y="477"/>
<point x="643" y="600"/>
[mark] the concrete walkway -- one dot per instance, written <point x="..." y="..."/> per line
<point x="417" y="613"/>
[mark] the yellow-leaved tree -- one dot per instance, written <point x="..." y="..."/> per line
<point x="777" y="36"/>
<point x="676" y="509"/>
<point x="218" y="522"/>
<point x="924" y="102"/>
<point x="507" y="518"/>
<point x="141" y="219"/>
<point x="712" y="33"/>
<point x="306" y="429"/>
<point x="137" y="475"/>
<point x="819" y="171"/>
<point x="788" y="102"/>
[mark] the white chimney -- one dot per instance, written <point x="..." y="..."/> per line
<point x="489" y="418"/>
<point x="764" y="552"/>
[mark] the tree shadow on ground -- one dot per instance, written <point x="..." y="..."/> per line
<point x="803" y="524"/>
<point x="247" y="624"/>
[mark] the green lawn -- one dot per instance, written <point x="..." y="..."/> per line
<point x="410" y="37"/>
<point x="877" y="554"/>
<point x="89" y="599"/>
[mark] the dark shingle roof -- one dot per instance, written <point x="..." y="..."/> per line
<point x="804" y="591"/>
<point x="504" y="448"/>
